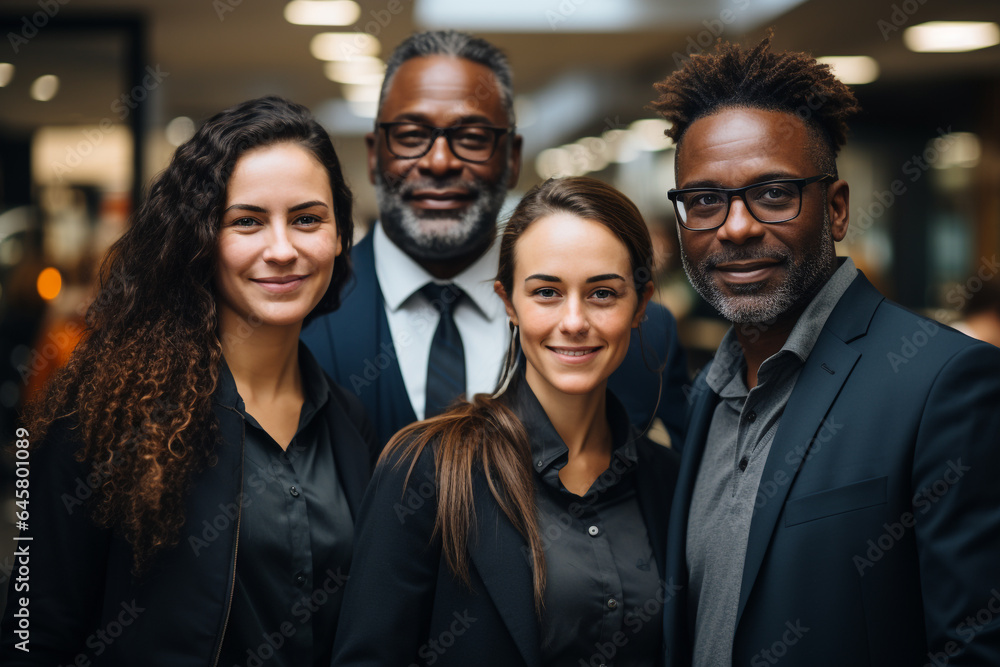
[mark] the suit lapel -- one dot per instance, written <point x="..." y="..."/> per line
<point x="501" y="558"/>
<point x="823" y="375"/>
<point x="675" y="631"/>
<point x="654" y="494"/>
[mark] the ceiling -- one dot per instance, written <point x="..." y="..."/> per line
<point x="209" y="54"/>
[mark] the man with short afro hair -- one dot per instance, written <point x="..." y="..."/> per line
<point x="838" y="500"/>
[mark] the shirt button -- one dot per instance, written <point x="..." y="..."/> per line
<point x="612" y="603"/>
<point x="752" y="417"/>
<point x="743" y="464"/>
<point x="538" y="463"/>
<point x="294" y="492"/>
<point x="300" y="578"/>
<point x="593" y="530"/>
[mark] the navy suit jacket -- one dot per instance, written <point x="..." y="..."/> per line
<point x="403" y="606"/>
<point x="875" y="539"/>
<point x="354" y="345"/>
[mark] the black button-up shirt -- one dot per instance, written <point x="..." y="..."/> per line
<point x="602" y="594"/>
<point x="296" y="535"/>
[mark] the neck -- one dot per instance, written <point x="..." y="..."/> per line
<point x="263" y="359"/>
<point x="581" y="420"/>
<point x="761" y="340"/>
<point x="446" y="269"/>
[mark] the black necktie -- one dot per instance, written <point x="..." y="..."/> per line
<point x="446" y="365"/>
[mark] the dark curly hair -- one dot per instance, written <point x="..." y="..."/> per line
<point x="734" y="76"/>
<point x="138" y="387"/>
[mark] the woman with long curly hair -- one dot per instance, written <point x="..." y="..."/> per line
<point x="528" y="528"/>
<point x="196" y="474"/>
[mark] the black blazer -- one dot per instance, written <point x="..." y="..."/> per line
<point x="354" y="345"/>
<point x="403" y="606"/>
<point x="876" y="535"/>
<point x="81" y="590"/>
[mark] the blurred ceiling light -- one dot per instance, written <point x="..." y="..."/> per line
<point x="951" y="36"/>
<point x="6" y="73"/>
<point x="45" y="87"/>
<point x="852" y="70"/>
<point x="650" y="134"/>
<point x="49" y="283"/>
<point x="364" y="109"/>
<point x="179" y="130"/>
<point x="553" y="163"/>
<point x="359" y="93"/>
<point x="956" y="149"/>
<point x="322" y="12"/>
<point x="343" y="45"/>
<point x="367" y="70"/>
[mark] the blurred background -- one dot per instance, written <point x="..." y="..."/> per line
<point x="96" y="94"/>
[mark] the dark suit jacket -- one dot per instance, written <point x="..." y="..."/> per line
<point x="354" y="345"/>
<point x="81" y="587"/>
<point x="876" y="533"/>
<point x="403" y="606"/>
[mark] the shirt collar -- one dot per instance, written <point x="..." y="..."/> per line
<point x="315" y="386"/>
<point x="547" y="447"/>
<point x="729" y="359"/>
<point x="400" y="276"/>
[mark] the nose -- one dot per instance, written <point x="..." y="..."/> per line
<point x="280" y="248"/>
<point x="740" y="226"/>
<point x="574" y="320"/>
<point x="439" y="160"/>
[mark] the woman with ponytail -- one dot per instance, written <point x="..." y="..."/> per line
<point x="528" y="527"/>
<point x="194" y="474"/>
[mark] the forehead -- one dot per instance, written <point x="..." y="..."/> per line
<point x="568" y="244"/>
<point x="738" y="146"/>
<point x="443" y="90"/>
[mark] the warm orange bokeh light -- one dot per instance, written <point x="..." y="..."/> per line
<point x="49" y="283"/>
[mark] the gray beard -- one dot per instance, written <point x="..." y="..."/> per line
<point x="440" y="235"/>
<point x="756" y="303"/>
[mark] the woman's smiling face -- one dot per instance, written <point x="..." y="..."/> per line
<point x="574" y="301"/>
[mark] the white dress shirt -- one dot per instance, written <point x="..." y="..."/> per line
<point x="480" y="318"/>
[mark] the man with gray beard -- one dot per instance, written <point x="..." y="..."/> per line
<point x="421" y="325"/>
<point x="837" y="500"/>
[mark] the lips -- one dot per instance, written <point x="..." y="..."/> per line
<point x="440" y="199"/>
<point x="280" y="284"/>
<point x="747" y="271"/>
<point x="575" y="354"/>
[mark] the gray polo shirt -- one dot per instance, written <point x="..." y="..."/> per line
<point x="725" y="491"/>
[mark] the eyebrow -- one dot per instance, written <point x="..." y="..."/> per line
<point x="760" y="178"/>
<point x="260" y="209"/>
<point x="592" y="279"/>
<point x="473" y="119"/>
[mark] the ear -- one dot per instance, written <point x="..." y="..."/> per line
<point x="515" y="161"/>
<point x="838" y="197"/>
<point x="507" y="305"/>
<point x="640" y="312"/>
<point x="339" y="248"/>
<point x="371" y="145"/>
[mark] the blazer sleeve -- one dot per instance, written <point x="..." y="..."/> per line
<point x="60" y="571"/>
<point x="390" y="593"/>
<point x="956" y="485"/>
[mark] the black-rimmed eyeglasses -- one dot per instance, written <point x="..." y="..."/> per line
<point x="778" y="200"/>
<point x="472" y="143"/>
